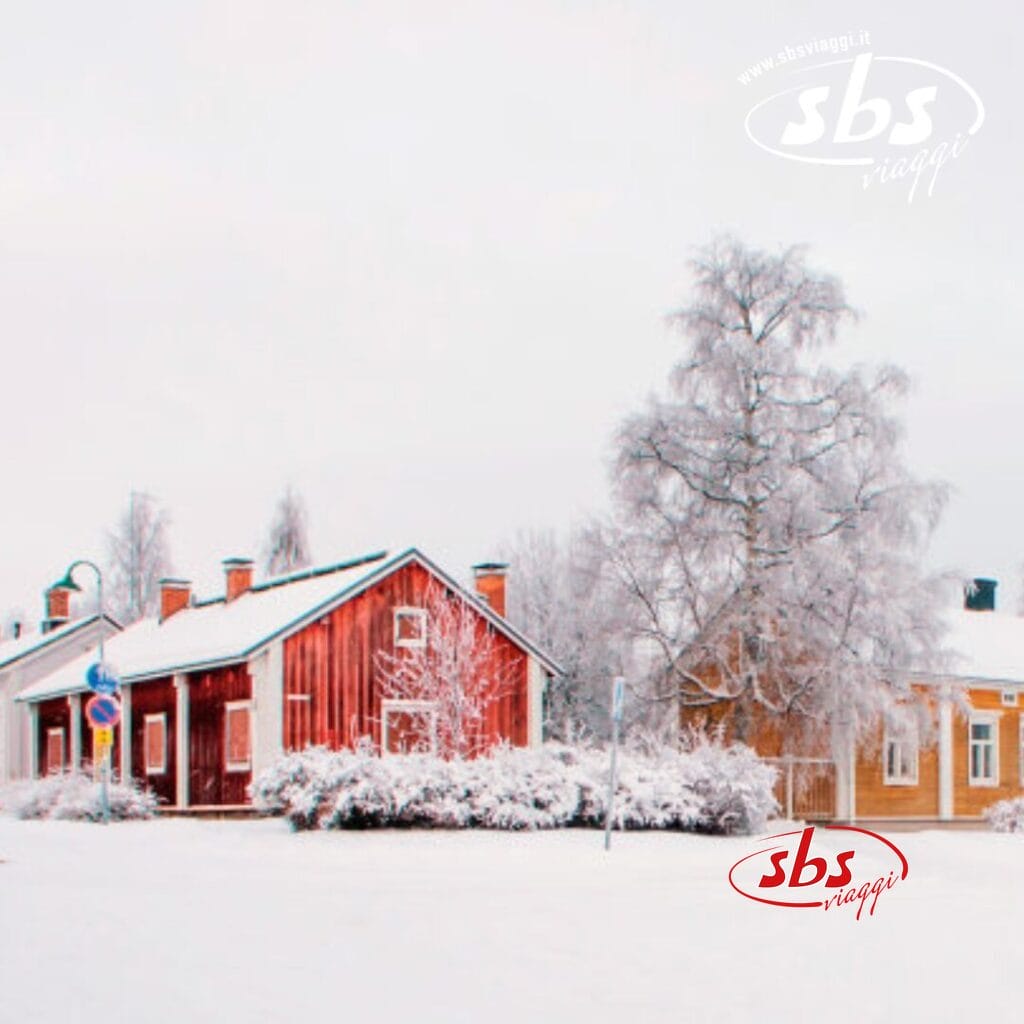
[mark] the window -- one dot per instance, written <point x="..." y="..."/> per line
<point x="900" y="759"/>
<point x="408" y="726"/>
<point x="154" y="744"/>
<point x="983" y="750"/>
<point x="410" y="627"/>
<point x="1009" y="698"/>
<point x="54" y="751"/>
<point x="238" y="736"/>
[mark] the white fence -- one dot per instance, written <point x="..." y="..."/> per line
<point x="806" y="787"/>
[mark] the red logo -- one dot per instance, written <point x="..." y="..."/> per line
<point x="788" y="875"/>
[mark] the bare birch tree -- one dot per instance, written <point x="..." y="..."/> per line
<point x="560" y="595"/>
<point x="458" y="672"/>
<point x="288" y="542"/>
<point x="768" y="532"/>
<point x="138" y="555"/>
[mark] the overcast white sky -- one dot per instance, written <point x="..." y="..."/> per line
<point x="415" y="259"/>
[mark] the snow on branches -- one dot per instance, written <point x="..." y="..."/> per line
<point x="287" y="545"/>
<point x="75" y="796"/>
<point x="768" y="532"/>
<point x="138" y="556"/>
<point x="1006" y="815"/>
<point x="450" y="671"/>
<point x="708" y="788"/>
<point x="562" y="599"/>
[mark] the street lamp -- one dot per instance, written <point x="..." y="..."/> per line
<point x="68" y="583"/>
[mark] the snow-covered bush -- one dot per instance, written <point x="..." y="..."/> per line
<point x="74" y="796"/>
<point x="708" y="788"/>
<point x="516" y="788"/>
<point x="1007" y="815"/>
<point x="734" y="785"/>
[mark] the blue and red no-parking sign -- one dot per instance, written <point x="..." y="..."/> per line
<point x="103" y="711"/>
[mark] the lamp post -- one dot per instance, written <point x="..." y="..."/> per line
<point x="68" y="583"/>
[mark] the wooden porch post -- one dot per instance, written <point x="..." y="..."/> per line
<point x="75" y="729"/>
<point x="126" y="733"/>
<point x="181" y="732"/>
<point x="33" y="741"/>
<point x="945" y="758"/>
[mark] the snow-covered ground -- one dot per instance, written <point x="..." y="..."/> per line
<point x="236" y="922"/>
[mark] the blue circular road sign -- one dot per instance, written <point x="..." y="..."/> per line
<point x="101" y="678"/>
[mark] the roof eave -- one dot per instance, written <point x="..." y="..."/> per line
<point x="46" y="643"/>
<point x="345" y="594"/>
<point x="405" y="557"/>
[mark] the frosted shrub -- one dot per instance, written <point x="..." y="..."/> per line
<point x="1007" y="815"/>
<point x="301" y="785"/>
<point x="31" y="800"/>
<point x="734" y="786"/>
<point x="709" y="788"/>
<point x="521" y="789"/>
<point x="74" y="796"/>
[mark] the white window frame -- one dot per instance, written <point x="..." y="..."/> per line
<point x="229" y="707"/>
<point x="1008" y="698"/>
<point x="990" y="718"/>
<point x="408" y="611"/>
<point x="147" y="719"/>
<point x="405" y="707"/>
<point x="907" y="740"/>
<point x="56" y="730"/>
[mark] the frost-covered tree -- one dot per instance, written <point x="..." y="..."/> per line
<point x="768" y="532"/>
<point x="138" y="555"/>
<point x="560" y="595"/>
<point x="454" y="664"/>
<point x="287" y="546"/>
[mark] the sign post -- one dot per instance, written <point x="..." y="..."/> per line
<point x="101" y="680"/>
<point x="618" y="700"/>
<point x="103" y="712"/>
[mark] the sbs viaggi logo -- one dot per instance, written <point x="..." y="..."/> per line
<point x="895" y="119"/>
<point x="789" y="874"/>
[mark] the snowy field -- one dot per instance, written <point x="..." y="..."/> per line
<point x="191" y="921"/>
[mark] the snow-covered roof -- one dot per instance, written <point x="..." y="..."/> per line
<point x="986" y="645"/>
<point x="218" y="632"/>
<point x="31" y="643"/>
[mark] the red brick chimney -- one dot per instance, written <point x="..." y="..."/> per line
<point x="58" y="608"/>
<point x="237" y="577"/>
<point x="490" y="584"/>
<point x="174" y="595"/>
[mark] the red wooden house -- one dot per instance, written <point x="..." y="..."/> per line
<point x="215" y="690"/>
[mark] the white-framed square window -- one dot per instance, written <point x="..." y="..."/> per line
<point x="983" y="749"/>
<point x="410" y="627"/>
<point x="54" y="750"/>
<point x="899" y="758"/>
<point x="1009" y="698"/>
<point x="154" y="743"/>
<point x="408" y="727"/>
<point x="238" y="736"/>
